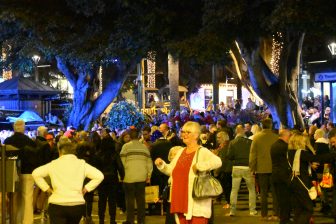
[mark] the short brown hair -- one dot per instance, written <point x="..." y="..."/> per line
<point x="267" y="123"/>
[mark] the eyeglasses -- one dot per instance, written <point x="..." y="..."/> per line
<point x="185" y="132"/>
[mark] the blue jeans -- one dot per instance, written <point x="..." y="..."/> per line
<point x="237" y="174"/>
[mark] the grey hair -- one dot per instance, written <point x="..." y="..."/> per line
<point x="224" y="134"/>
<point x="192" y="127"/>
<point x="42" y="131"/>
<point x="66" y="146"/>
<point x="19" y="126"/>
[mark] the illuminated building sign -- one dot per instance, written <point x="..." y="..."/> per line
<point x="325" y="77"/>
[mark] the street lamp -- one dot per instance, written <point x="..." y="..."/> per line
<point x="332" y="48"/>
<point x="36" y="60"/>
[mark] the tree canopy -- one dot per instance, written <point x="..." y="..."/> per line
<point x="82" y="34"/>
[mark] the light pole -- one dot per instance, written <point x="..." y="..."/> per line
<point x="36" y="59"/>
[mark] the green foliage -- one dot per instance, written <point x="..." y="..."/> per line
<point x="123" y="115"/>
<point x="82" y="32"/>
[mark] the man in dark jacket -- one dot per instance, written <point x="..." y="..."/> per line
<point x="109" y="163"/>
<point x="239" y="151"/>
<point x="44" y="156"/>
<point x="281" y="173"/>
<point x="85" y="150"/>
<point x="28" y="164"/>
<point x="160" y="149"/>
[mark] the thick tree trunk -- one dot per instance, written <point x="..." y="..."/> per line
<point x="173" y="76"/>
<point x="279" y="92"/>
<point x="86" y="110"/>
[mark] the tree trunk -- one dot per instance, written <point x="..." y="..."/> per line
<point x="173" y="76"/>
<point x="215" y="86"/>
<point x="86" y="109"/>
<point x="279" y="92"/>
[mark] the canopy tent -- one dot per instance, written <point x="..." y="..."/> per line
<point x="20" y="87"/>
<point x="21" y="93"/>
<point x="27" y="116"/>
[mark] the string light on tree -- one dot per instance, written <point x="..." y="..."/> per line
<point x="151" y="67"/>
<point x="6" y="74"/>
<point x="277" y="46"/>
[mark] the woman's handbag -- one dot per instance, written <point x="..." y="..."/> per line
<point x="312" y="192"/>
<point x="205" y="185"/>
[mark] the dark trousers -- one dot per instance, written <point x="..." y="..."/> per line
<point x="65" y="214"/>
<point x="226" y="182"/>
<point x="135" y="191"/>
<point x="265" y="184"/>
<point x="284" y="196"/>
<point x="302" y="204"/>
<point x="212" y="217"/>
<point x="333" y="206"/>
<point x="88" y="203"/>
<point x="121" y="203"/>
<point x="170" y="218"/>
<point x="107" y="193"/>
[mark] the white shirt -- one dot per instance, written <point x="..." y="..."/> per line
<point x="67" y="174"/>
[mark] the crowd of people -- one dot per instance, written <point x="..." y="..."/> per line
<point x="119" y="164"/>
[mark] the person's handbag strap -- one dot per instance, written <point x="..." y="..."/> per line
<point x="197" y="154"/>
<point x="294" y="175"/>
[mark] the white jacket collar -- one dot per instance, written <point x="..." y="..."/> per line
<point x="322" y="140"/>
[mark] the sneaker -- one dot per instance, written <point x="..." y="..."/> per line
<point x="232" y="213"/>
<point x="273" y="218"/>
<point x="226" y="206"/>
<point x="253" y="213"/>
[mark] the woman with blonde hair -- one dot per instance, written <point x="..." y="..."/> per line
<point x="299" y="160"/>
<point x="183" y="169"/>
<point x="254" y="129"/>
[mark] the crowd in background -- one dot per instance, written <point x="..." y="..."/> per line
<point x="245" y="141"/>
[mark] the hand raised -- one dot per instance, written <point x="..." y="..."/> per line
<point x="158" y="162"/>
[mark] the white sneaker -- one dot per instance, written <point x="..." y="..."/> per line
<point x="253" y="213"/>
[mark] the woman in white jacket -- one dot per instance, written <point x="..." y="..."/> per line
<point x="67" y="174"/>
<point x="183" y="170"/>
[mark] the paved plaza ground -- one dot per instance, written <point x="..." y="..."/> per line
<point x="242" y="215"/>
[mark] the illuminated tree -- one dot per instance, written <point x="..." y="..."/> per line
<point x="264" y="40"/>
<point x="80" y="35"/>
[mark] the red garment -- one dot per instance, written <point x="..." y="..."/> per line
<point x="194" y="220"/>
<point x="179" y="198"/>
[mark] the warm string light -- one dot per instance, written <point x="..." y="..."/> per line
<point x="151" y="67"/>
<point x="6" y="74"/>
<point x="276" y="52"/>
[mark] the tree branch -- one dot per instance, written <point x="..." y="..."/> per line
<point x="269" y="76"/>
<point x="112" y="89"/>
<point x="294" y="57"/>
<point x="61" y="65"/>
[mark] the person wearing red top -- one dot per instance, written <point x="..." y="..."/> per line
<point x="183" y="169"/>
